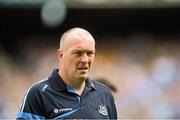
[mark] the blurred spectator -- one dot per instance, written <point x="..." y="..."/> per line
<point x="1" y="104"/>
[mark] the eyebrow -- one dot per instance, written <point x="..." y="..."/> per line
<point x="83" y="50"/>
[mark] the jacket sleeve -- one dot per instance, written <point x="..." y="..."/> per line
<point x="31" y="107"/>
<point x="112" y="107"/>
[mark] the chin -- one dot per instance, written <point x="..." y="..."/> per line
<point x="82" y="77"/>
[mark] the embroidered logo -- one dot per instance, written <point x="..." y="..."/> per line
<point x="44" y="88"/>
<point x="102" y="110"/>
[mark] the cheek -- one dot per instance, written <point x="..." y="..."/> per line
<point x="71" y="63"/>
<point x="91" y="61"/>
<point x="68" y="62"/>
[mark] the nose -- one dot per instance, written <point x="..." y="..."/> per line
<point x="84" y="58"/>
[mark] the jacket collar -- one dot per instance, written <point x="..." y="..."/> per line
<point x="57" y="83"/>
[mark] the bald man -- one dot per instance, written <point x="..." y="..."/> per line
<point x="69" y="93"/>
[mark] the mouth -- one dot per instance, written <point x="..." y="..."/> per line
<point x="82" y="68"/>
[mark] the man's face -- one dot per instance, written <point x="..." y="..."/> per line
<point x="77" y="58"/>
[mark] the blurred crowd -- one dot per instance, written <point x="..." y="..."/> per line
<point x="144" y="69"/>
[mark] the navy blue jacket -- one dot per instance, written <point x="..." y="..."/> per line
<point x="53" y="99"/>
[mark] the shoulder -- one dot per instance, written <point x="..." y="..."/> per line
<point x="101" y="87"/>
<point x="32" y="99"/>
<point x="37" y="87"/>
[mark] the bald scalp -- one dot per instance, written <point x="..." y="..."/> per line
<point x="74" y="33"/>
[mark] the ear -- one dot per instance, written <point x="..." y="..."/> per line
<point x="59" y="53"/>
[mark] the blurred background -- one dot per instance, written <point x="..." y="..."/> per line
<point x="137" y="50"/>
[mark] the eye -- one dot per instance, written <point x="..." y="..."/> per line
<point x="77" y="53"/>
<point x="90" y="53"/>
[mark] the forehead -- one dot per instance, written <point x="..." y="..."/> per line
<point x="81" y="42"/>
<point x="81" y="45"/>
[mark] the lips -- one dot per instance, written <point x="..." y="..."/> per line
<point x="82" y="68"/>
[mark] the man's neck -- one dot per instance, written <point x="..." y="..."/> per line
<point x="77" y="85"/>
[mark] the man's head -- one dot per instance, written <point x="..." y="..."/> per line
<point x="76" y="54"/>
